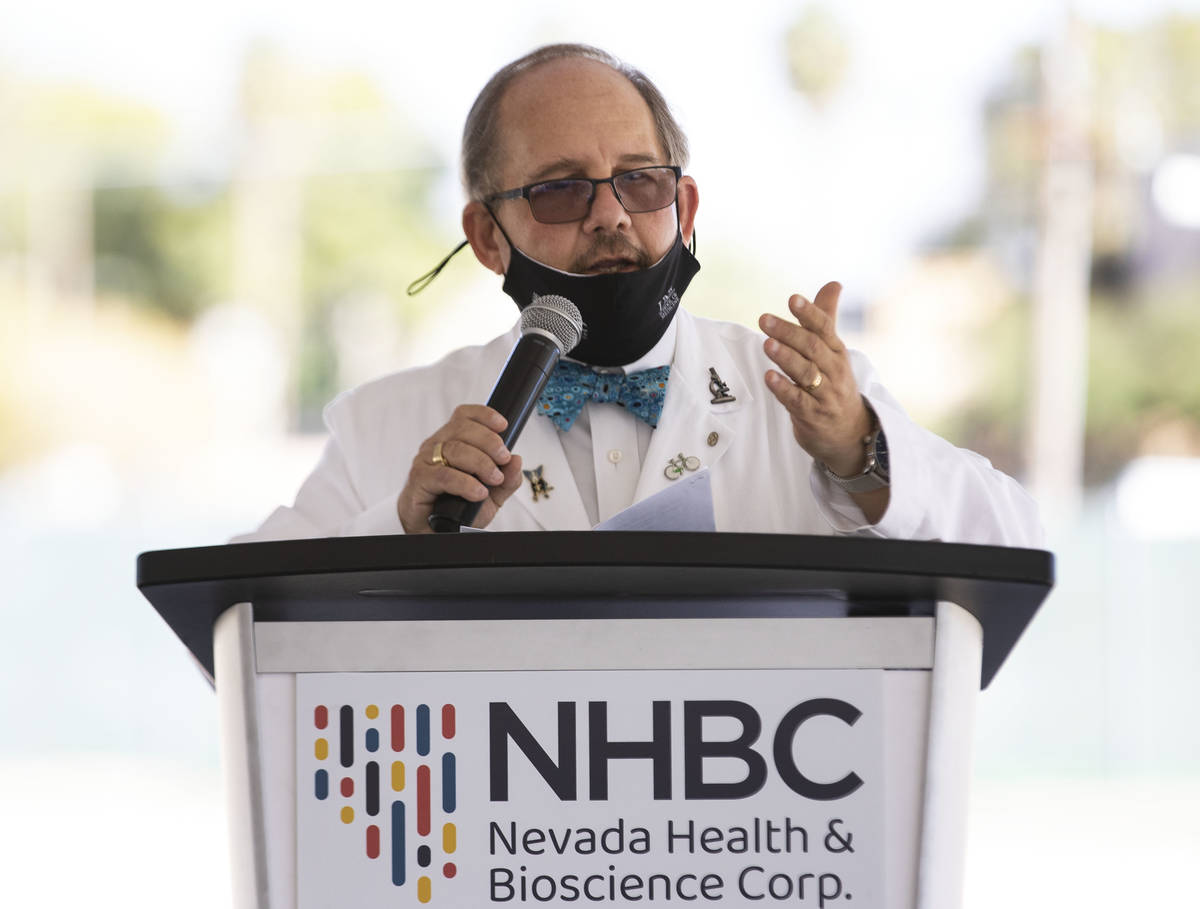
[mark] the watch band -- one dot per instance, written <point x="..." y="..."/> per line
<point x="874" y="476"/>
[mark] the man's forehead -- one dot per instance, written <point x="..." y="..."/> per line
<point x="556" y="115"/>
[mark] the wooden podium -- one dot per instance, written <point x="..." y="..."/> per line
<point x="752" y="718"/>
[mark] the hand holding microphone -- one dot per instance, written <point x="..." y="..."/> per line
<point x="465" y="471"/>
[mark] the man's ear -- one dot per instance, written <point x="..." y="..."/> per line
<point x="484" y="235"/>
<point x="688" y="196"/>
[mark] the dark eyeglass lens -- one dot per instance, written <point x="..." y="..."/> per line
<point x="560" y="200"/>
<point x="646" y="190"/>
<point x="557" y="201"/>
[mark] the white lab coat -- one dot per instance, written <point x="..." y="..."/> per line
<point x="762" y="481"/>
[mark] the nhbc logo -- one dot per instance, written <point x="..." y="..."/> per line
<point x="561" y="774"/>
<point x="400" y="832"/>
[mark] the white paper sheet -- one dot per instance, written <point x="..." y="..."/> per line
<point x="684" y="505"/>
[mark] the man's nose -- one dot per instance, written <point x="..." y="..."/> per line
<point x="606" y="212"/>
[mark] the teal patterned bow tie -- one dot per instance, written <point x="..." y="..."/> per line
<point x="572" y="385"/>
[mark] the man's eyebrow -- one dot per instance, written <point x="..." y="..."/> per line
<point x="573" y="167"/>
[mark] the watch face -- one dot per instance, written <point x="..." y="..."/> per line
<point x="881" y="452"/>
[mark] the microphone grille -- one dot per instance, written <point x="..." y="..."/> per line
<point x="556" y="316"/>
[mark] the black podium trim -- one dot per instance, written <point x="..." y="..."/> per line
<point x="594" y="575"/>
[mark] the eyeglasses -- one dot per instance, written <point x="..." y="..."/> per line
<point x="559" y="201"/>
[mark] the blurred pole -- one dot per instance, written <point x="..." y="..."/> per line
<point x="58" y="223"/>
<point x="1061" y="279"/>
<point x="267" y="243"/>
<point x="268" y="206"/>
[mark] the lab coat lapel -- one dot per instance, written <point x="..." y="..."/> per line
<point x="562" y="509"/>
<point x="689" y="418"/>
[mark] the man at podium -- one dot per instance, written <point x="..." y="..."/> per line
<point x="575" y="174"/>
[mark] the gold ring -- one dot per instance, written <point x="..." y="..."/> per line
<point x="814" y="384"/>
<point x="438" y="460"/>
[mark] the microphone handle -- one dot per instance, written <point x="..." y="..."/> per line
<point x="516" y="392"/>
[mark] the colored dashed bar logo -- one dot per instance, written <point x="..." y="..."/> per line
<point x="399" y="807"/>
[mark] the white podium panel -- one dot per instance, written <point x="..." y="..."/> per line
<point x="450" y="766"/>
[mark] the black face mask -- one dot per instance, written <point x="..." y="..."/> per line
<point x="624" y="313"/>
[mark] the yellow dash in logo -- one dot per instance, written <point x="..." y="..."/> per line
<point x="397" y="776"/>
<point x="424" y="889"/>
<point x="322" y="749"/>
<point x="449" y="839"/>
<point x="372" y="712"/>
<point x="347" y="814"/>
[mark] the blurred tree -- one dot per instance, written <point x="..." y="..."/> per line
<point x="330" y="206"/>
<point x="1175" y="48"/>
<point x="163" y="250"/>
<point x="1142" y="379"/>
<point x="818" y="54"/>
<point x="1143" y="103"/>
<point x="363" y="239"/>
<point x="324" y="210"/>
<point x="59" y="140"/>
<point x="56" y="142"/>
<point x="86" y="168"/>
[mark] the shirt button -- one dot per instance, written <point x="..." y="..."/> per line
<point x="713" y="438"/>
<point x="614" y="456"/>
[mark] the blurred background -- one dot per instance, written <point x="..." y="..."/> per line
<point x="207" y="221"/>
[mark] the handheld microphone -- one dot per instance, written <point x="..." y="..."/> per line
<point x="550" y="327"/>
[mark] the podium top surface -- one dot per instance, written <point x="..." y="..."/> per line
<point x="594" y="575"/>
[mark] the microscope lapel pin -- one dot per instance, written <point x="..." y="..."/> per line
<point x="716" y="385"/>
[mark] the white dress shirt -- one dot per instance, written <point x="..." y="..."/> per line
<point x="607" y="444"/>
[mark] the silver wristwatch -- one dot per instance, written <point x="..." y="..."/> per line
<point x="875" y="475"/>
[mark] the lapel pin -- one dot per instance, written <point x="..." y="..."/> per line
<point x="720" y="391"/>
<point x="538" y="482"/>
<point x="678" y="464"/>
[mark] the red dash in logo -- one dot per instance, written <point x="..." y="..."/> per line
<point x="373" y="842"/>
<point x="423" y="800"/>
<point x="397" y="728"/>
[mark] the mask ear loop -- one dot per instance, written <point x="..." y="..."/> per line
<point x="426" y="279"/>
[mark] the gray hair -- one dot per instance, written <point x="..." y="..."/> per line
<point x="481" y="138"/>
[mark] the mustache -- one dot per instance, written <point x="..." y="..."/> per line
<point x="610" y="246"/>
